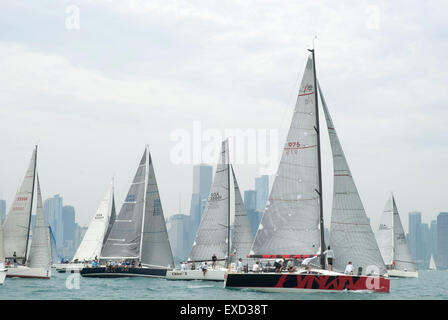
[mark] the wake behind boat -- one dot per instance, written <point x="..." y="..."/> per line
<point x="292" y="224"/>
<point x="138" y="236"/>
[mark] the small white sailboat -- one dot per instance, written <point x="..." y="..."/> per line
<point x="137" y="244"/>
<point x="213" y="236"/>
<point x="95" y="236"/>
<point x="393" y="244"/>
<point x="432" y="264"/>
<point x="21" y="263"/>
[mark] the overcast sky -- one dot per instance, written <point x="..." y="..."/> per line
<point x="93" y="82"/>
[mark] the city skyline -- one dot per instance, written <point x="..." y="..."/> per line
<point x="92" y="105"/>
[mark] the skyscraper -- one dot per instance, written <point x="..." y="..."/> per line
<point x="179" y="234"/>
<point x="415" y="220"/>
<point x="262" y="189"/>
<point x="53" y="216"/>
<point x="2" y="211"/>
<point x="68" y="217"/>
<point x="202" y="182"/>
<point x="433" y="238"/>
<point x="442" y="240"/>
<point x="250" y="203"/>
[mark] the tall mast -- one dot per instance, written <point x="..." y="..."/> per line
<point x="319" y="163"/>
<point x="228" y="201"/>
<point x="144" y="202"/>
<point x="31" y="208"/>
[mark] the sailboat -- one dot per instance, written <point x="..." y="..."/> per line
<point x="292" y="225"/>
<point x="432" y="264"/>
<point x="137" y="244"/>
<point x="2" y="257"/>
<point x="95" y="236"/>
<point x="393" y="244"/>
<point x="21" y="263"/>
<point x="213" y="235"/>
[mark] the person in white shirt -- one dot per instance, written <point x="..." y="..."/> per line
<point x="256" y="267"/>
<point x="349" y="268"/>
<point x="239" y="267"/>
<point x="330" y="256"/>
<point x="307" y="263"/>
<point x="182" y="266"/>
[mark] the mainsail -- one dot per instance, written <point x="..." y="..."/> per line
<point x="392" y="240"/>
<point x="432" y="264"/>
<point x="95" y="235"/>
<point x="351" y="236"/>
<point x="290" y="223"/>
<point x="17" y="224"/>
<point x="139" y="231"/>
<point x="40" y="251"/>
<point x="242" y="237"/>
<point x="212" y="235"/>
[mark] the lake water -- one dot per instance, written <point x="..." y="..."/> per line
<point x="431" y="285"/>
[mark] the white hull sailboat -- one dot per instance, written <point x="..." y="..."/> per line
<point x="138" y="236"/>
<point x="35" y="263"/>
<point x="2" y="257"/>
<point x="68" y="267"/>
<point x="2" y="275"/>
<point x="432" y="264"/>
<point x="213" y="234"/>
<point x="292" y="225"/>
<point x="393" y="244"/>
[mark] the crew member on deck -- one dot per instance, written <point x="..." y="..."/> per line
<point x="214" y="261"/>
<point x="349" y="268"/>
<point x="330" y="256"/>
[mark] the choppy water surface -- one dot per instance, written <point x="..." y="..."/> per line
<point x="429" y="285"/>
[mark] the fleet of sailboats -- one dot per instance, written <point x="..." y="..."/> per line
<point x="135" y="243"/>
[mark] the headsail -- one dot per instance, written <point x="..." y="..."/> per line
<point x="17" y="225"/>
<point x="351" y="236"/>
<point x="290" y="223"/>
<point x="95" y="235"/>
<point x="242" y="237"/>
<point x="40" y="251"/>
<point x="432" y="264"/>
<point x="155" y="247"/>
<point x="402" y="254"/>
<point x="212" y="235"/>
<point x="385" y="234"/>
<point x="125" y="235"/>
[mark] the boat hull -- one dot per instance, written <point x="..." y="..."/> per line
<point x="102" y="272"/>
<point x="69" y="267"/>
<point x="25" y="272"/>
<point x="293" y="282"/>
<point x="2" y="276"/>
<point x="402" y="274"/>
<point x="210" y="275"/>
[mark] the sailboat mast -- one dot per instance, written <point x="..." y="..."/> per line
<point x="319" y="163"/>
<point x="228" y="202"/>
<point x="31" y="207"/>
<point x="144" y="202"/>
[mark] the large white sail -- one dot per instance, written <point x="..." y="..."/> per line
<point x="385" y="234"/>
<point x="155" y="246"/>
<point x="351" y="236"/>
<point x="94" y="237"/>
<point x="242" y="237"/>
<point x="2" y="247"/>
<point x="402" y="254"/>
<point x="125" y="235"/>
<point x="17" y="225"/>
<point x="432" y="264"/>
<point x="212" y="235"/>
<point x="40" y="251"/>
<point x="290" y="223"/>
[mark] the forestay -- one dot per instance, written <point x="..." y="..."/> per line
<point x="17" y="224"/>
<point x="40" y="251"/>
<point x="212" y="235"/>
<point x="290" y="223"/>
<point x="351" y="236"/>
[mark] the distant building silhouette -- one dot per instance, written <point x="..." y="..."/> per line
<point x="262" y="189"/>
<point x="442" y="240"/>
<point x="179" y="234"/>
<point x="54" y="218"/>
<point x="2" y="211"/>
<point x="250" y="203"/>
